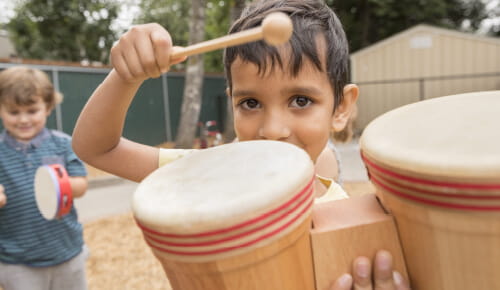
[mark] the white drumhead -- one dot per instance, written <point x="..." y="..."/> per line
<point x="46" y="192"/>
<point x="455" y="136"/>
<point x="222" y="185"/>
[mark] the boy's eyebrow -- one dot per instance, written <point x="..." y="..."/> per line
<point x="295" y="90"/>
<point x="302" y="90"/>
<point x="242" y="93"/>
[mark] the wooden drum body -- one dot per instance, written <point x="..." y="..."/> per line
<point x="236" y="216"/>
<point x="436" y="166"/>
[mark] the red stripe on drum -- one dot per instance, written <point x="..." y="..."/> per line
<point x="268" y="224"/>
<point x="307" y="190"/>
<point x="434" y="193"/>
<point x="434" y="202"/>
<point x="455" y="185"/>
<point x="246" y="244"/>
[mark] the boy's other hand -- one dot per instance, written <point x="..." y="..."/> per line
<point x="384" y="278"/>
<point x="3" y="197"/>
<point x="143" y="52"/>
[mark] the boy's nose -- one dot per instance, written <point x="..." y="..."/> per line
<point x="23" y="118"/>
<point x="274" y="127"/>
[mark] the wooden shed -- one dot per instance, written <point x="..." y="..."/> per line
<point x="6" y="47"/>
<point x="420" y="63"/>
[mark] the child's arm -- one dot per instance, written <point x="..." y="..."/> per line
<point x="141" y="53"/>
<point x="78" y="185"/>
<point x="3" y="197"/>
<point x="381" y="278"/>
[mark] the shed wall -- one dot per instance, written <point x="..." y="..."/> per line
<point x="423" y="62"/>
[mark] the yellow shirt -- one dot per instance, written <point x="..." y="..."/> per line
<point x="334" y="192"/>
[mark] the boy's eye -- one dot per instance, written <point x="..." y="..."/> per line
<point x="300" y="102"/>
<point x="250" y="104"/>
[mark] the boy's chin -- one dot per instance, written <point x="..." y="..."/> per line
<point x="24" y="136"/>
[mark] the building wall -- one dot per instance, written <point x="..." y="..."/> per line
<point x="6" y="47"/>
<point x="420" y="63"/>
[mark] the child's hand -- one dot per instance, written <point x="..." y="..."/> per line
<point x="3" y="197"/>
<point x="143" y="52"/>
<point x="383" y="276"/>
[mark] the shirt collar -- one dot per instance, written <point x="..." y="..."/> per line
<point x="33" y="143"/>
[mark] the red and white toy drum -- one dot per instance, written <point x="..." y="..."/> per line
<point x="436" y="167"/>
<point x="53" y="191"/>
<point x="235" y="216"/>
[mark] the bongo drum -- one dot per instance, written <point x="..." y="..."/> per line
<point x="235" y="216"/>
<point x="436" y="166"/>
<point x="53" y="191"/>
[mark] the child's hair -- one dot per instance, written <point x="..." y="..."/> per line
<point x="21" y="86"/>
<point x="311" y="18"/>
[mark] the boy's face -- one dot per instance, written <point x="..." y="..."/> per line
<point x="277" y="106"/>
<point x="24" y="122"/>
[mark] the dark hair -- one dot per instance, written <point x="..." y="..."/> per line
<point x="310" y="18"/>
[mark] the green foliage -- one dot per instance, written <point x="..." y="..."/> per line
<point x="69" y="30"/>
<point x="368" y="21"/>
<point x="174" y="16"/>
<point x="171" y="14"/>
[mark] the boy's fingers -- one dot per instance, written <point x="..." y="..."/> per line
<point x="344" y="282"/>
<point x="399" y="281"/>
<point x="178" y="59"/>
<point x="121" y="67"/>
<point x="133" y="61"/>
<point x="383" y="273"/>
<point x="118" y="56"/>
<point x="146" y="53"/>
<point x="362" y="274"/>
<point x="162" y="45"/>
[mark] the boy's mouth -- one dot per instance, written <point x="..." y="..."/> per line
<point x="24" y="128"/>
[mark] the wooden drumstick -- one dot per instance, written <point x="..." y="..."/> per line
<point x="276" y="29"/>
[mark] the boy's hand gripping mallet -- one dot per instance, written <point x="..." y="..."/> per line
<point x="276" y="29"/>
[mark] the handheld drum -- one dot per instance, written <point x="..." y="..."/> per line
<point x="53" y="191"/>
<point x="436" y="166"/>
<point x="235" y="216"/>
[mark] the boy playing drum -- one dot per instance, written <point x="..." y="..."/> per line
<point x="295" y="93"/>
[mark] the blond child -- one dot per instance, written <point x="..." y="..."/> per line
<point x="296" y="93"/>
<point x="35" y="253"/>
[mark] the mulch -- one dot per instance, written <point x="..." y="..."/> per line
<point x="119" y="257"/>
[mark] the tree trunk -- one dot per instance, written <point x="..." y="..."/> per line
<point x="229" y="133"/>
<point x="191" y="101"/>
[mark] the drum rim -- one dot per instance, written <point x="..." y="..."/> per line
<point x="224" y="214"/>
<point x="55" y="211"/>
<point x="387" y="142"/>
<point x="292" y="218"/>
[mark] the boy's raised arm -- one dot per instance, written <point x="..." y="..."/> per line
<point x="141" y="53"/>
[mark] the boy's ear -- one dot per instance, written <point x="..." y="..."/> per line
<point x="48" y="109"/>
<point x="343" y="112"/>
<point x="228" y="92"/>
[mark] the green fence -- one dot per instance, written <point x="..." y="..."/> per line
<point x="154" y="115"/>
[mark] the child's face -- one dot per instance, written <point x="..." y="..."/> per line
<point x="277" y="106"/>
<point x="24" y="122"/>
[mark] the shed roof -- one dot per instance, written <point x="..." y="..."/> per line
<point x="425" y="28"/>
